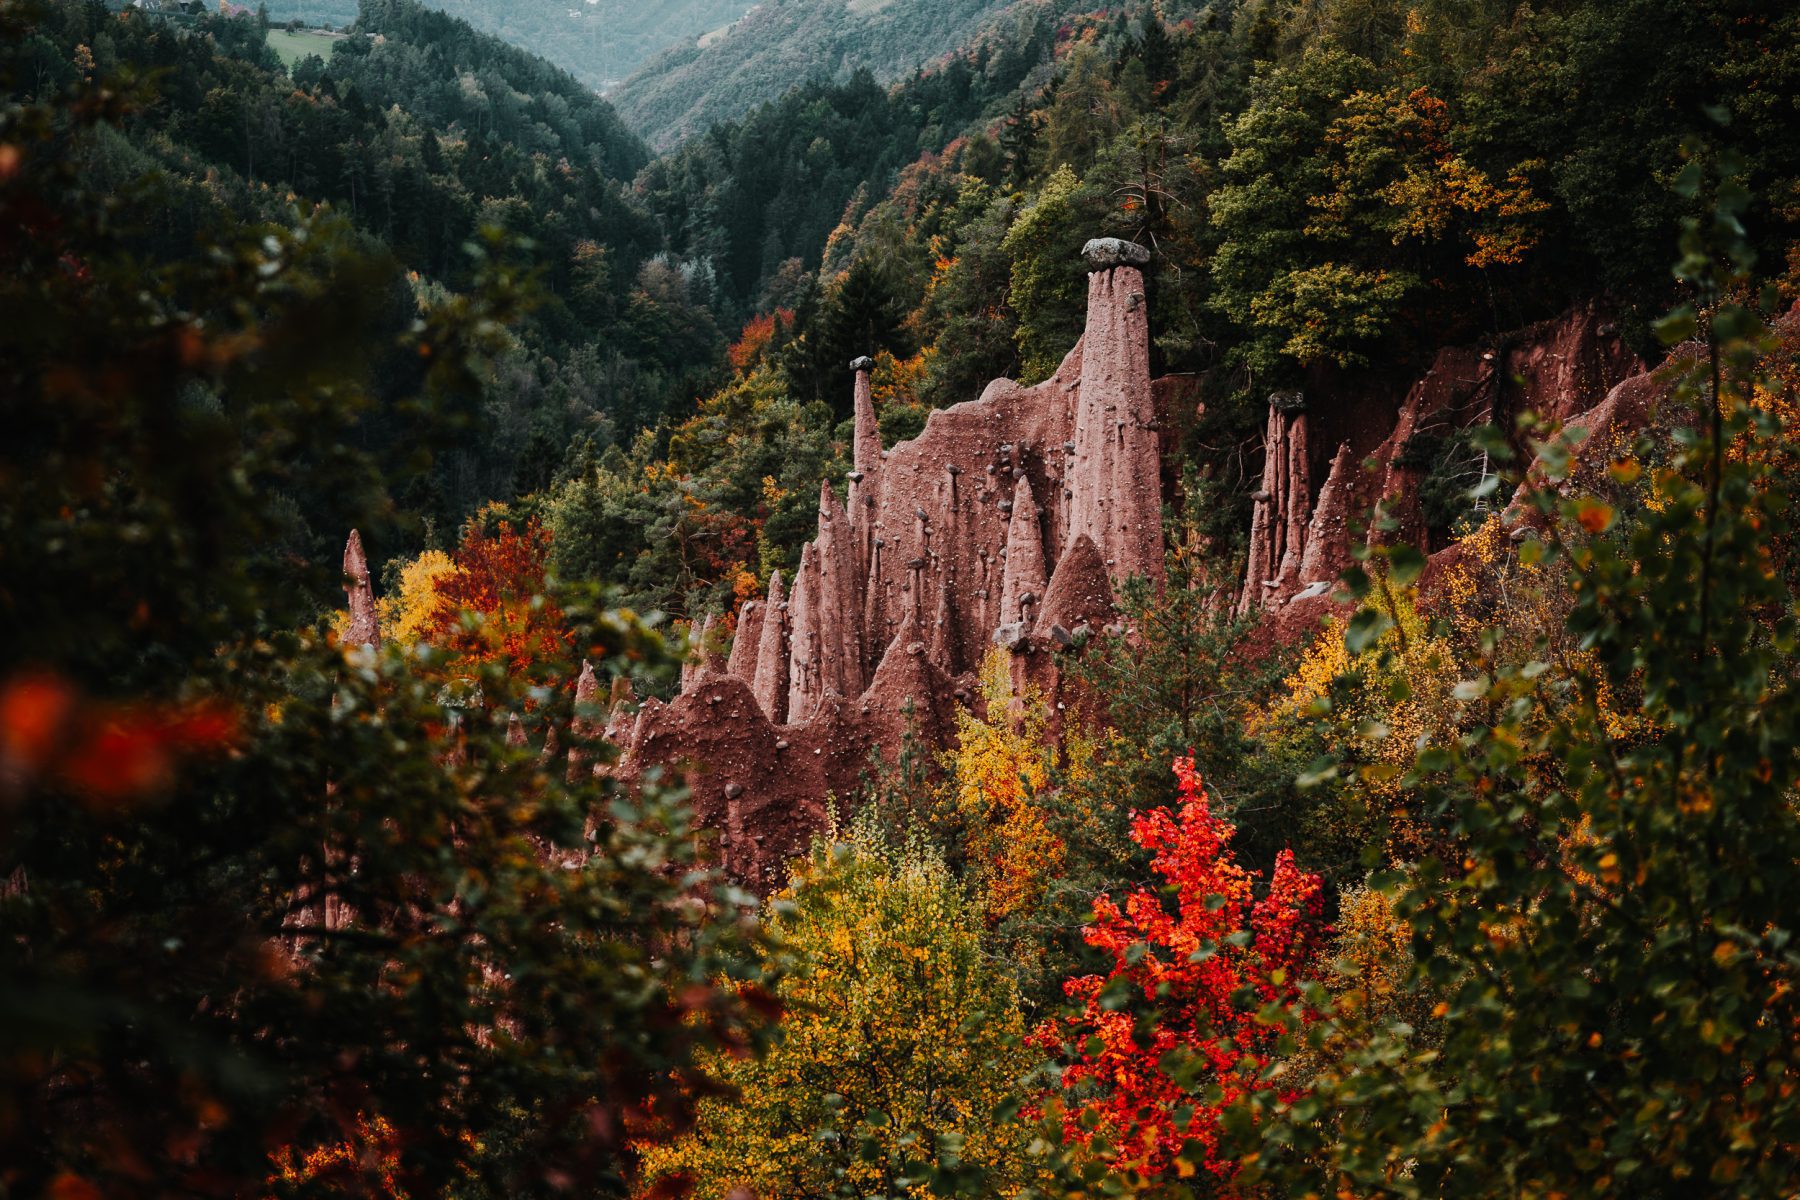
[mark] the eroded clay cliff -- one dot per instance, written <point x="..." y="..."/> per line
<point x="1008" y="520"/>
<point x="1011" y="520"/>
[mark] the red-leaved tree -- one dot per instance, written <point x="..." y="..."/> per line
<point x="1170" y="1037"/>
<point x="502" y="579"/>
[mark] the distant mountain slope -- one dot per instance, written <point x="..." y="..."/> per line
<point x="597" y="41"/>
<point x="488" y="84"/>
<point x="780" y="43"/>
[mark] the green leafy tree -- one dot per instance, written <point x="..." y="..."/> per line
<point x="1048" y="289"/>
<point x="965" y="311"/>
<point x="1177" y="686"/>
<point x="263" y="891"/>
<point x="1613" y="951"/>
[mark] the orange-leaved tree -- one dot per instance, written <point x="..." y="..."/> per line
<point x="760" y="332"/>
<point x="366" y="1163"/>
<point x="1174" y="1033"/>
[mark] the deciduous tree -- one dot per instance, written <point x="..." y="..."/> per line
<point x="1177" y="1030"/>
<point x="902" y="1041"/>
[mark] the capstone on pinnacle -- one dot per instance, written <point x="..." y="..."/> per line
<point x="1103" y="254"/>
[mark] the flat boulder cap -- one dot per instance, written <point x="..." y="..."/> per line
<point x="1104" y="253"/>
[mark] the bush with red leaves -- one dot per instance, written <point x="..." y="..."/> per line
<point x="1178" y="1029"/>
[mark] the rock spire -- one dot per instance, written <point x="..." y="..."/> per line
<point x="941" y="549"/>
<point x="866" y="441"/>
<point x="746" y="642"/>
<point x="1278" y="523"/>
<point x="1022" y="583"/>
<point x="365" y="625"/>
<point x="805" y="684"/>
<point x="1114" y="477"/>
<point x="769" y="684"/>
<point x="1328" y="532"/>
<point x="839" y="612"/>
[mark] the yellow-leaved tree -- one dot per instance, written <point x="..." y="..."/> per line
<point x="1369" y="708"/>
<point x="406" y="614"/>
<point x="900" y="1043"/>
<point x="999" y="772"/>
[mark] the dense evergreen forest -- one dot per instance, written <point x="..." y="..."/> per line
<point x="599" y="43"/>
<point x="1485" y="887"/>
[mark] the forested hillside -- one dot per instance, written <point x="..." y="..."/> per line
<point x="1330" y="193"/>
<point x="1331" y="196"/>
<point x="456" y="158"/>
<point x="1275" y="677"/>
<point x="776" y="45"/>
<point x="600" y="42"/>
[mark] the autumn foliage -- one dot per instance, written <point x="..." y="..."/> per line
<point x="1179" y="1010"/>
<point x="1001" y="770"/>
<point x="758" y="335"/>
<point x="105" y="754"/>
<point x="366" y="1163"/>
<point x="407" y="613"/>
<point x="901" y="1039"/>
<point x="501" y="579"/>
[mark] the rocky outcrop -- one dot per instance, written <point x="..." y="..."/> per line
<point x="1279" y="522"/>
<point x="865" y="446"/>
<point x="703" y="656"/>
<point x="1012" y="519"/>
<point x="942" y="549"/>
<point x="839" y="613"/>
<point x="946" y="647"/>
<point x="1327" y="552"/>
<point x="746" y="641"/>
<point x="1114" y="485"/>
<point x="910" y="690"/>
<point x="1295" y="483"/>
<point x="746" y="777"/>
<point x="1079" y="598"/>
<point x="1022" y="577"/>
<point x="805" y="684"/>
<point x="1564" y="370"/>
<point x="583" y="726"/>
